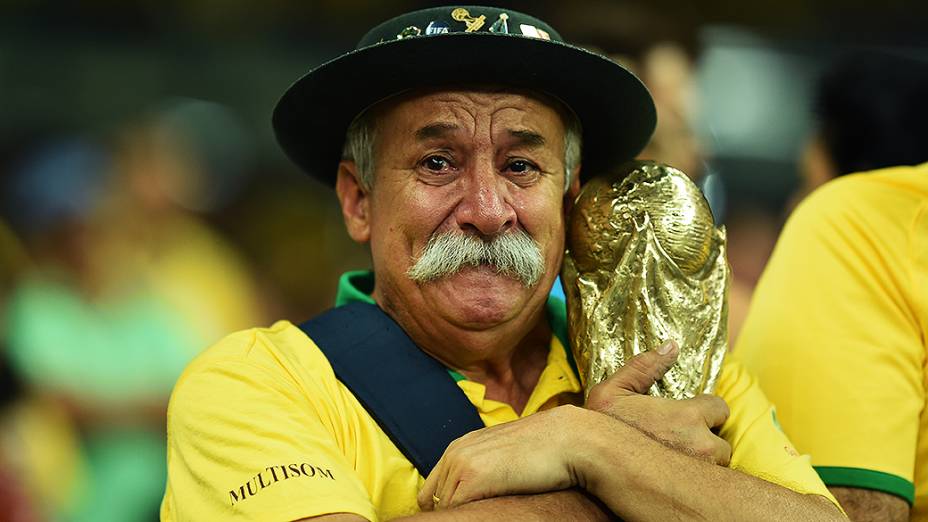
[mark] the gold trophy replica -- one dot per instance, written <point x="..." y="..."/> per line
<point x="644" y="265"/>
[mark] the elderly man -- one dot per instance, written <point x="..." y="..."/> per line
<point x="462" y="156"/>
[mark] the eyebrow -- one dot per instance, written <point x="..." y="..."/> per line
<point x="435" y="130"/>
<point x="528" y="138"/>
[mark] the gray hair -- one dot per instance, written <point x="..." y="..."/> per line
<point x="361" y="136"/>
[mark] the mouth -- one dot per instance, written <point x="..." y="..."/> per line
<point x="486" y="269"/>
<point x="483" y="267"/>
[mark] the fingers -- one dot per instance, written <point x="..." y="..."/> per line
<point x="707" y="447"/>
<point x="439" y="491"/>
<point x="449" y="494"/>
<point x="429" y="488"/>
<point x="644" y="369"/>
<point x="723" y="453"/>
<point x="714" y="410"/>
<point x="520" y="457"/>
<point x="708" y="411"/>
<point x="715" y="450"/>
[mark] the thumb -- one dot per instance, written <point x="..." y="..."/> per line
<point x="644" y="369"/>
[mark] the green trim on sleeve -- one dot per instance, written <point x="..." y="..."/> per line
<point x="867" y="479"/>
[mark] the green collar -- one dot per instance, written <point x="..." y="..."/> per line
<point x="356" y="286"/>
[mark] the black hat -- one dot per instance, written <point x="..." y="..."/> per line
<point x="456" y="46"/>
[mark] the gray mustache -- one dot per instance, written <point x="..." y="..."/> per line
<point x="514" y="254"/>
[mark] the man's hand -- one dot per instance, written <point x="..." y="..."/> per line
<point x="538" y="454"/>
<point x="684" y="425"/>
<point x="529" y="455"/>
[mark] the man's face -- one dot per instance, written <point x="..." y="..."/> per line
<point x="479" y="163"/>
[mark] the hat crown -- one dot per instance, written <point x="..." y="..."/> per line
<point x="439" y="21"/>
<point x="459" y="45"/>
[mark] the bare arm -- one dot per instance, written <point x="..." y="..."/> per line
<point x="644" y="457"/>
<point x="865" y="505"/>
<point x="658" y="483"/>
<point x="636" y="477"/>
<point x="572" y="504"/>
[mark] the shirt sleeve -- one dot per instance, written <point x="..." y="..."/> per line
<point x="834" y="337"/>
<point x="759" y="446"/>
<point x="245" y="442"/>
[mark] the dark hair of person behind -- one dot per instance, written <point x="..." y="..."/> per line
<point x="873" y="112"/>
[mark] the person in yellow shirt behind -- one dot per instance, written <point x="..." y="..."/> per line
<point x="837" y="328"/>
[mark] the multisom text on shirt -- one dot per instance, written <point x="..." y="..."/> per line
<point x="273" y="474"/>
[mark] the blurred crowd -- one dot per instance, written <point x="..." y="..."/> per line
<point x="117" y="269"/>
<point x="126" y="251"/>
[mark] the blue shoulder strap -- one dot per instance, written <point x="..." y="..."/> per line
<point x="410" y="394"/>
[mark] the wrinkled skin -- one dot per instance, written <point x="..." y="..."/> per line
<point x="480" y="162"/>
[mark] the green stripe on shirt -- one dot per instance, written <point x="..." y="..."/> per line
<point x="867" y="479"/>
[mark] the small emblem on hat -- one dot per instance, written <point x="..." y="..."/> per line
<point x="409" y="32"/>
<point x="502" y="25"/>
<point x="473" y="23"/>
<point x="436" y="28"/>
<point x="534" y="32"/>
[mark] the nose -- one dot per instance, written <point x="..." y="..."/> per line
<point x="483" y="208"/>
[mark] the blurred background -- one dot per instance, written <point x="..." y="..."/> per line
<point x="145" y="210"/>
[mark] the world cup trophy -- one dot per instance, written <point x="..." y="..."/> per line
<point x="645" y="264"/>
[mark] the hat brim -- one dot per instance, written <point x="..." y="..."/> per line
<point x="614" y="107"/>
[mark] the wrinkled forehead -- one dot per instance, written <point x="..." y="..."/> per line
<point x="473" y="102"/>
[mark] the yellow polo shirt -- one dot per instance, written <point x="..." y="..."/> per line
<point x="259" y="428"/>
<point x="836" y="333"/>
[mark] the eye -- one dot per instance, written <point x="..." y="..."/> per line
<point x="521" y="167"/>
<point x="437" y="163"/>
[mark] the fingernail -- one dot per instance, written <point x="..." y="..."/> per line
<point x="666" y="348"/>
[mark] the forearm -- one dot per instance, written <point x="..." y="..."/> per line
<point x="864" y="505"/>
<point x="653" y="482"/>
<point x="571" y="504"/>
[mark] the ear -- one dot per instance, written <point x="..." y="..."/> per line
<point x="573" y="190"/>
<point x="355" y="202"/>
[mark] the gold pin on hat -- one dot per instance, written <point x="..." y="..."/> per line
<point x="473" y="23"/>
<point x="409" y="32"/>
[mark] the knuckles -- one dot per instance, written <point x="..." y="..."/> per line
<point x="711" y="449"/>
<point x="680" y="424"/>
<point x="714" y="403"/>
<point x="726" y="455"/>
<point x="722" y="405"/>
<point x="704" y="448"/>
<point x="691" y="414"/>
